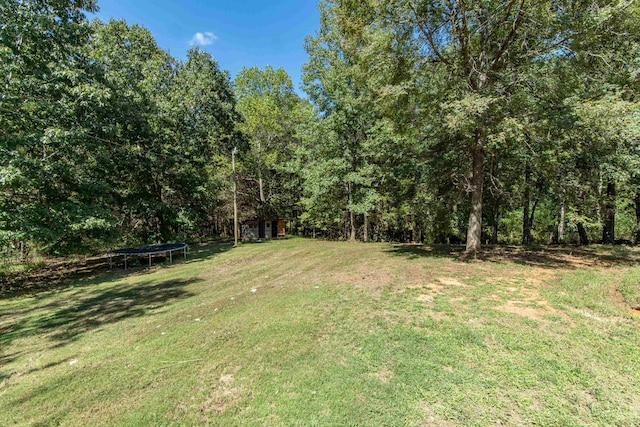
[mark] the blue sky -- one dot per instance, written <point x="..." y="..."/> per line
<point x="237" y="33"/>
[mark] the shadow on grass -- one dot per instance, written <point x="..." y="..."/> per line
<point x="206" y="252"/>
<point x="64" y="273"/>
<point x="92" y="309"/>
<point x="562" y="256"/>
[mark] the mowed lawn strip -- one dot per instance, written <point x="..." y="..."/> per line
<point x="304" y="332"/>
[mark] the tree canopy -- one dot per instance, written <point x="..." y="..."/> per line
<point x="446" y="122"/>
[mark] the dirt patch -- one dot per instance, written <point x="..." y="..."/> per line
<point x="438" y="315"/>
<point x="631" y="309"/>
<point x="449" y="281"/>
<point x="415" y="277"/>
<point x="384" y="375"/>
<point x="523" y="295"/>
<point x="365" y="277"/>
<point x="536" y="312"/>
<point x="222" y="395"/>
<point x="444" y="284"/>
<point x="425" y="298"/>
<point x="593" y="316"/>
<point x="432" y="418"/>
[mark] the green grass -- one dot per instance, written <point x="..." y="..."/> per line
<point x="334" y="334"/>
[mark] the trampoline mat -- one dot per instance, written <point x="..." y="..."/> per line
<point x="150" y="249"/>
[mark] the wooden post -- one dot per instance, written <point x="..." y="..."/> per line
<point x="235" y="203"/>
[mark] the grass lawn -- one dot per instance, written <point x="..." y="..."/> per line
<point x="303" y="332"/>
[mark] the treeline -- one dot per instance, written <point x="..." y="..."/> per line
<point x="104" y="137"/>
<point x="488" y="121"/>
<point x="500" y="122"/>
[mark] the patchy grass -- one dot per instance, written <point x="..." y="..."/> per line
<point x="630" y="290"/>
<point x="302" y="332"/>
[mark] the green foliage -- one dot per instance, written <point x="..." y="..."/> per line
<point x="46" y="157"/>
<point x="271" y="112"/>
<point x="105" y="138"/>
<point x="540" y="96"/>
<point x="530" y="109"/>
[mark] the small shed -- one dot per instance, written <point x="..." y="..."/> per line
<point x="254" y="229"/>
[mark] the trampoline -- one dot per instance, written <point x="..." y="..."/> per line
<point x="148" y="250"/>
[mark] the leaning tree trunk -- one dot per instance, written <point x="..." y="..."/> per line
<point x="474" y="231"/>
<point x="608" y="229"/>
<point x="582" y="233"/>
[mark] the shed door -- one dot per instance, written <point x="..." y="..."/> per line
<point x="274" y="229"/>
<point x="261" y="230"/>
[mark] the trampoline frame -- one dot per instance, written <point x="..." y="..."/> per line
<point x="148" y="250"/>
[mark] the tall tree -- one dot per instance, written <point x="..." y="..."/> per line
<point x="271" y="112"/>
<point x="482" y="48"/>
<point x="47" y="160"/>
<point x="166" y="127"/>
<point x="345" y="145"/>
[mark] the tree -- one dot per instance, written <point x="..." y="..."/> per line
<point x="478" y="51"/>
<point x="48" y="180"/>
<point x="341" y="178"/>
<point x="167" y="127"/>
<point x="271" y="112"/>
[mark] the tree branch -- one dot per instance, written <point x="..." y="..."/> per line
<point x="464" y="38"/>
<point x="429" y="36"/>
<point x="507" y="41"/>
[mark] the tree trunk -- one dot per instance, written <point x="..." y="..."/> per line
<point x="636" y="239"/>
<point x="599" y="206"/>
<point x="474" y="231"/>
<point x="494" y="230"/>
<point x="582" y="233"/>
<point x="563" y="214"/>
<point x="162" y="230"/>
<point x="366" y="228"/>
<point x="261" y="187"/>
<point x="236" y="233"/>
<point x="352" y="222"/>
<point x="532" y="217"/>
<point x="526" y="225"/>
<point x="526" y="229"/>
<point x="441" y="229"/>
<point x="608" y="229"/>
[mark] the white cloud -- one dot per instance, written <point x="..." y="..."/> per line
<point x="203" y="39"/>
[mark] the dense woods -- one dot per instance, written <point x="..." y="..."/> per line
<point x="444" y="122"/>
